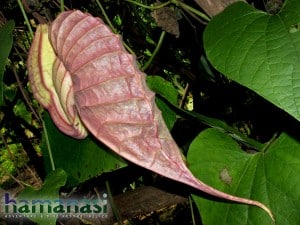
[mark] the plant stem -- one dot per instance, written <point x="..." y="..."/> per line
<point x="24" y="94"/>
<point x="106" y="17"/>
<point x="184" y="95"/>
<point x="176" y="2"/>
<point x="26" y="18"/>
<point x="270" y="142"/>
<point x="150" y="7"/>
<point x="62" y="5"/>
<point x="222" y="126"/>
<point x="191" y="9"/>
<point x="48" y="146"/>
<point x="192" y="210"/>
<point x="113" y="206"/>
<point x="160" y="41"/>
<point x="112" y="26"/>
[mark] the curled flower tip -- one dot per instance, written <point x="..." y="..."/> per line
<point x="56" y="95"/>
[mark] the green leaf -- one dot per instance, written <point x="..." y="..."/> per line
<point x="6" y="41"/>
<point x="21" y="111"/>
<point x="49" y="191"/>
<point x="271" y="177"/>
<point x="163" y="88"/>
<point x="168" y="114"/>
<point x="259" y="50"/>
<point x="10" y="91"/>
<point x="166" y="90"/>
<point x="81" y="159"/>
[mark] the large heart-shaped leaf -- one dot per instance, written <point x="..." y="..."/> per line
<point x="259" y="50"/>
<point x="271" y="177"/>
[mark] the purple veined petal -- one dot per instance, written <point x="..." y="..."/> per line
<point x="114" y="102"/>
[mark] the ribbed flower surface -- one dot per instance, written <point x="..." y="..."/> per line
<point x="94" y="74"/>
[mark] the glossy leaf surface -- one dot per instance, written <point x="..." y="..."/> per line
<point x="271" y="176"/>
<point x="259" y="51"/>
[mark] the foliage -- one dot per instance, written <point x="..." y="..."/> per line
<point x="6" y="42"/>
<point x="50" y="189"/>
<point x="252" y="146"/>
<point x="268" y="62"/>
<point x="225" y="165"/>
<point x="81" y="159"/>
<point x="12" y="159"/>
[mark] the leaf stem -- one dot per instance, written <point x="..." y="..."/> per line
<point x="220" y="125"/>
<point x="192" y="210"/>
<point x="112" y="26"/>
<point x="191" y="9"/>
<point x="233" y="132"/>
<point x="158" y="46"/>
<point x="62" y="5"/>
<point x="113" y="206"/>
<point x="237" y="135"/>
<point x="150" y="7"/>
<point x="270" y="142"/>
<point x="106" y="17"/>
<point x="48" y="146"/>
<point x="175" y="2"/>
<point x="26" y="18"/>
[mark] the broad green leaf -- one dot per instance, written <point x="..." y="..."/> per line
<point x="168" y="114"/>
<point x="6" y="41"/>
<point x="271" y="177"/>
<point x="163" y="88"/>
<point x="81" y="159"/>
<point x="49" y="191"/>
<point x="166" y="90"/>
<point x="259" y="50"/>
